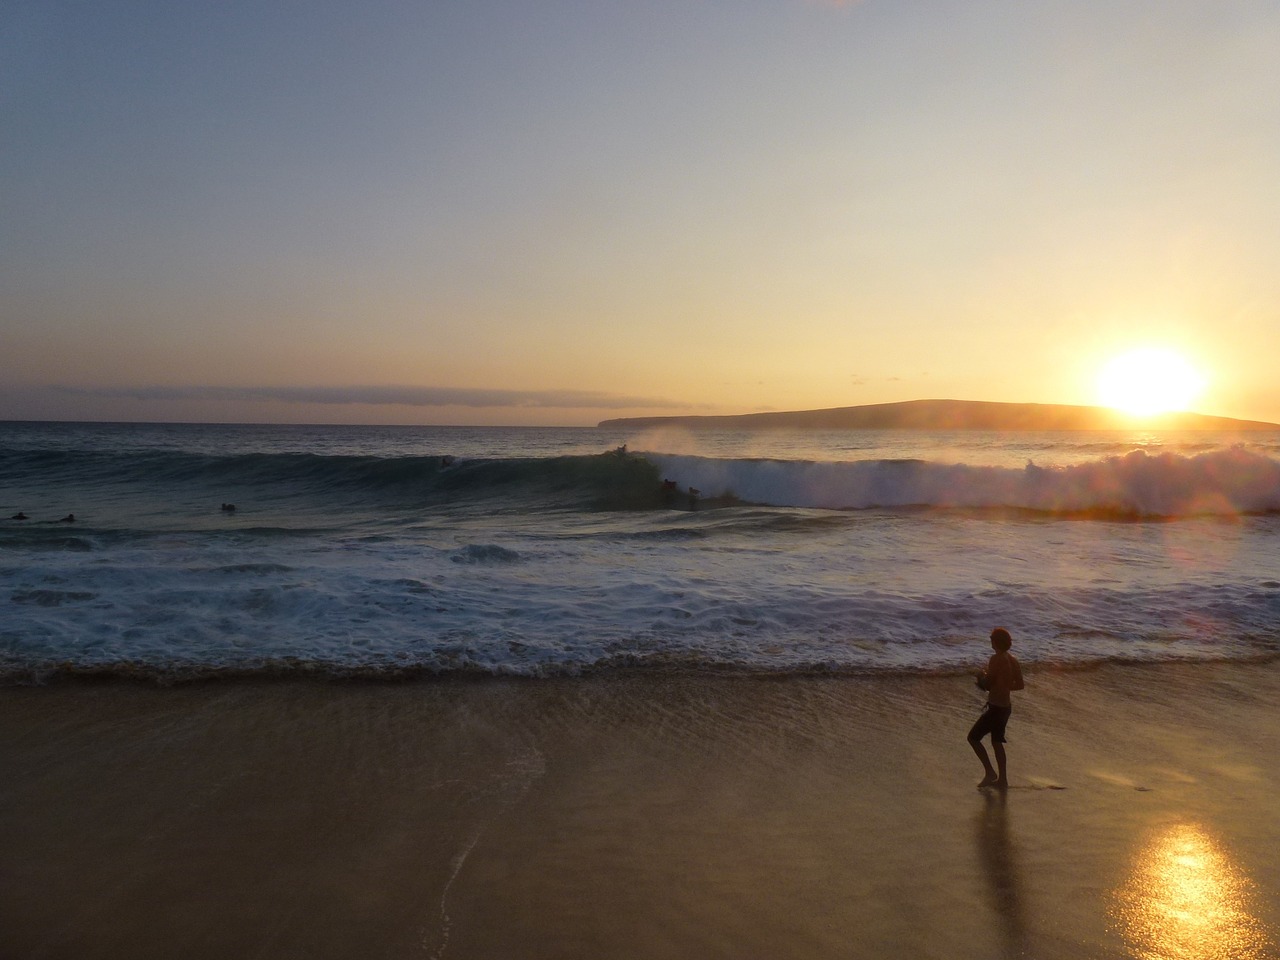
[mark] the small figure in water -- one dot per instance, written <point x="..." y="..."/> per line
<point x="19" y="516"/>
<point x="228" y="508"/>
<point x="1002" y="676"/>
<point x="69" y="518"/>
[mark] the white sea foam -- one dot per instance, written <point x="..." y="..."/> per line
<point x="1218" y="482"/>
<point x="523" y="572"/>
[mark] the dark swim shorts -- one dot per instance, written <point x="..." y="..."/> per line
<point x="992" y="721"/>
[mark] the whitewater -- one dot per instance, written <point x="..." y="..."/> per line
<point x="404" y="551"/>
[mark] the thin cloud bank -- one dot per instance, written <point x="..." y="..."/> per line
<point x="383" y="396"/>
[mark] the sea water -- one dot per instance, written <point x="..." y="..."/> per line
<point x="391" y="551"/>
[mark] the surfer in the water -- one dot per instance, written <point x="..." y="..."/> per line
<point x="1002" y="676"/>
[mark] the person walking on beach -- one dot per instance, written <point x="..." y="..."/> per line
<point x="1002" y="676"/>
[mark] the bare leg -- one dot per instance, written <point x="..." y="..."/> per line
<point x="990" y="779"/>
<point x="998" y="749"/>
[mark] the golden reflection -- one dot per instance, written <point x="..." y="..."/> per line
<point x="1186" y="898"/>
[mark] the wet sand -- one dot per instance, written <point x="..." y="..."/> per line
<point x="645" y="817"/>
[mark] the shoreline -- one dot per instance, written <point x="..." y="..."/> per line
<point x="142" y="676"/>
<point x="635" y="815"/>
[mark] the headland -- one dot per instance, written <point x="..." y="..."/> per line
<point x="948" y="415"/>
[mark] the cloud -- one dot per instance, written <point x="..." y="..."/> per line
<point x="383" y="396"/>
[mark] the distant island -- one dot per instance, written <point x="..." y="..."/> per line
<point x="949" y="415"/>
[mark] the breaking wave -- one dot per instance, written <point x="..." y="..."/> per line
<point x="1138" y="484"/>
<point x="1231" y="481"/>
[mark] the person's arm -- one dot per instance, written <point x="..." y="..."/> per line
<point x="988" y="674"/>
<point x="1017" y="683"/>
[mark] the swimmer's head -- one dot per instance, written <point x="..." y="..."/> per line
<point x="1000" y="639"/>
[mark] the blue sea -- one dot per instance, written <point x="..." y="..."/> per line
<point x="406" y="551"/>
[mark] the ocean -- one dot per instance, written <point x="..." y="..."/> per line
<point x="409" y="551"/>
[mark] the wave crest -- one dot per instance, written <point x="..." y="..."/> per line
<point x="1216" y="482"/>
<point x="1221" y="482"/>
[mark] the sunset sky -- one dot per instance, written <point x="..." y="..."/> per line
<point x="496" y="212"/>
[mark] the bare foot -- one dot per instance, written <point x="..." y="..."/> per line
<point x="1002" y="784"/>
<point x="988" y="781"/>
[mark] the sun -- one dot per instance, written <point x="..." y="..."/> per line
<point x="1149" y="380"/>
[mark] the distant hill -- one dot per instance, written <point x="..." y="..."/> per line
<point x="949" y="415"/>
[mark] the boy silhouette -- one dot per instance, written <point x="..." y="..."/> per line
<point x="1002" y="676"/>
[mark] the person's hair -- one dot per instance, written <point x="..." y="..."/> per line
<point x="1000" y="636"/>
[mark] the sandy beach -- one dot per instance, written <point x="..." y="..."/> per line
<point x="642" y="816"/>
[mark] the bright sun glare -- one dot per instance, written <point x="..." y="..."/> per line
<point x="1149" y="380"/>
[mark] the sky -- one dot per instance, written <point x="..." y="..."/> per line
<point x="504" y="212"/>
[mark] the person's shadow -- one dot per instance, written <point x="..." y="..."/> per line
<point x="1000" y="865"/>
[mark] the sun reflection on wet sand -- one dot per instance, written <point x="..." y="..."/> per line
<point x="1186" y="898"/>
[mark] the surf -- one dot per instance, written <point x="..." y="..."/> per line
<point x="1137" y="484"/>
